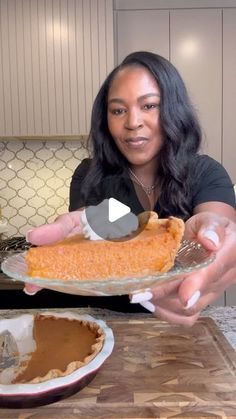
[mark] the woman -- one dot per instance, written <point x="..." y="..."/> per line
<point x="145" y="140"/>
<point x="144" y="132"/>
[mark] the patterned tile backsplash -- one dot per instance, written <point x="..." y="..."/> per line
<point x="34" y="181"/>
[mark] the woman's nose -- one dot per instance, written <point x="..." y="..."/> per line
<point x="133" y="120"/>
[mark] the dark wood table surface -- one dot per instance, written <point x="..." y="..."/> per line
<point x="155" y="370"/>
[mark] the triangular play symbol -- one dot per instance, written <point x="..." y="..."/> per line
<point x="116" y="210"/>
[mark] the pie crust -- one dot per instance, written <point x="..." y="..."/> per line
<point x="62" y="346"/>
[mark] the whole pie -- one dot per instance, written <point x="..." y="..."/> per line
<point x="62" y="346"/>
<point x="152" y="250"/>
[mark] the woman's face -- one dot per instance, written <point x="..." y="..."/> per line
<point x="133" y="115"/>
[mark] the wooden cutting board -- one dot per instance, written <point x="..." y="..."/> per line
<point x="156" y="370"/>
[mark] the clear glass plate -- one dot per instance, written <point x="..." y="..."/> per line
<point x="191" y="256"/>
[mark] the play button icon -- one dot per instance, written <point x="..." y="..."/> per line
<point x="115" y="218"/>
<point x="109" y="220"/>
<point x="116" y="209"/>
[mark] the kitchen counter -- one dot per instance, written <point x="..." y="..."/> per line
<point x="155" y="370"/>
<point x="224" y="317"/>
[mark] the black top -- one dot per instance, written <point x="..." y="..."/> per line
<point x="211" y="182"/>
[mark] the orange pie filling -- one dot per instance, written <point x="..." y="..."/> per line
<point x="152" y="250"/>
<point x="62" y="346"/>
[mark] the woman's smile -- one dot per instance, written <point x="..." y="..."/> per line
<point x="136" y="143"/>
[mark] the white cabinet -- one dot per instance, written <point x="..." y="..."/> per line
<point x="142" y="30"/>
<point x="229" y="92"/>
<point x="199" y="39"/>
<point x="201" y="44"/>
<point x="196" y="50"/>
<point x="54" y="55"/>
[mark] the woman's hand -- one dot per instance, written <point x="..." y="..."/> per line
<point x="65" y="225"/>
<point x="76" y="222"/>
<point x="182" y="300"/>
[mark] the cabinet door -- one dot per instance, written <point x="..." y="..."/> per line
<point x="54" y="55"/>
<point x="142" y="30"/>
<point x="229" y="92"/>
<point x="196" y="50"/>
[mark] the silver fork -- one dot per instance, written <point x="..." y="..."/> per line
<point x="9" y="354"/>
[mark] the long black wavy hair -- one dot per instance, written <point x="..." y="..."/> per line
<point x="181" y="133"/>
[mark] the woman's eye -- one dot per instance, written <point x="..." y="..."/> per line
<point x="151" y="106"/>
<point x="117" y="111"/>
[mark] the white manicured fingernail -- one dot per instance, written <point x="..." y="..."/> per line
<point x="195" y="297"/>
<point x="27" y="235"/>
<point x="212" y="236"/>
<point x="29" y="293"/>
<point x="149" y="306"/>
<point x="139" y="297"/>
